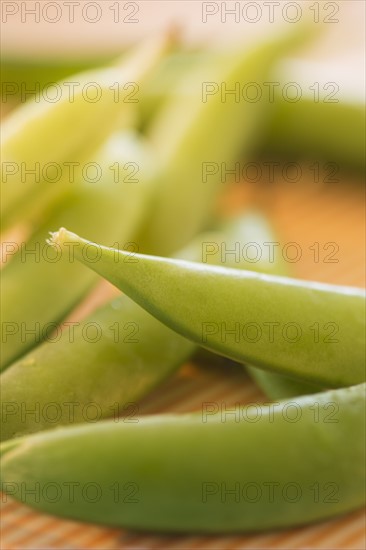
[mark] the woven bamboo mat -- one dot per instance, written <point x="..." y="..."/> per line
<point x="302" y="213"/>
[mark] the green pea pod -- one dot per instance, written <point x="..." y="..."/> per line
<point x="254" y="228"/>
<point x="188" y="136"/>
<point x="63" y="379"/>
<point x="327" y="124"/>
<point x="172" y="78"/>
<point x="200" y="472"/>
<point x="306" y="330"/>
<point x="40" y="135"/>
<point x="331" y="132"/>
<point x="23" y="78"/>
<point x="33" y="275"/>
<point x="97" y="368"/>
<point x="326" y="128"/>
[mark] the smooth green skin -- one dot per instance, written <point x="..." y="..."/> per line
<point x="256" y="229"/>
<point x="253" y="227"/>
<point x="331" y="132"/>
<point x="210" y="298"/>
<point x="65" y="131"/>
<point x="112" y="372"/>
<point x="90" y="380"/>
<point x="163" y="464"/>
<point x="36" y="290"/>
<point x="190" y="132"/>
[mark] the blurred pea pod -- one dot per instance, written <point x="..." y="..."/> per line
<point x="332" y="132"/>
<point x="23" y="78"/>
<point x="40" y="136"/>
<point x="132" y="353"/>
<point x="172" y="78"/>
<point x="315" y="128"/>
<point x="209" y="127"/>
<point x="39" y="289"/>
<point x="325" y="119"/>
<point x="175" y="182"/>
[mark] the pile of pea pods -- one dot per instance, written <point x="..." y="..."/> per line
<point x="143" y="225"/>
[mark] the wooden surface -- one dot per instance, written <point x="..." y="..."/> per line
<point x="306" y="213"/>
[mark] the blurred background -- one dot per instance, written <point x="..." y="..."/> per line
<point x="87" y="29"/>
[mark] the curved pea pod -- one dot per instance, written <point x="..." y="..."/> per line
<point x="194" y="135"/>
<point x="97" y="368"/>
<point x="43" y="136"/>
<point x="118" y="199"/>
<point x="319" y="131"/>
<point x="21" y="76"/>
<point x="327" y="123"/>
<point x="172" y="78"/>
<point x="326" y="126"/>
<point x="306" y="330"/>
<point x="200" y="472"/>
<point x="254" y="230"/>
<point x="103" y="365"/>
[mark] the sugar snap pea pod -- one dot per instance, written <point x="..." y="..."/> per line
<point x="307" y="330"/>
<point x="256" y="232"/>
<point x="172" y="79"/>
<point x="200" y="472"/>
<point x="33" y="276"/>
<point x="328" y="123"/>
<point x="23" y="78"/>
<point x="130" y="365"/>
<point x="327" y="128"/>
<point x="132" y="353"/>
<point x="324" y="131"/>
<point x="187" y="195"/>
<point x="76" y="379"/>
<point x="41" y="135"/>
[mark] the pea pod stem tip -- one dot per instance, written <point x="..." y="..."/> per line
<point x="60" y="237"/>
